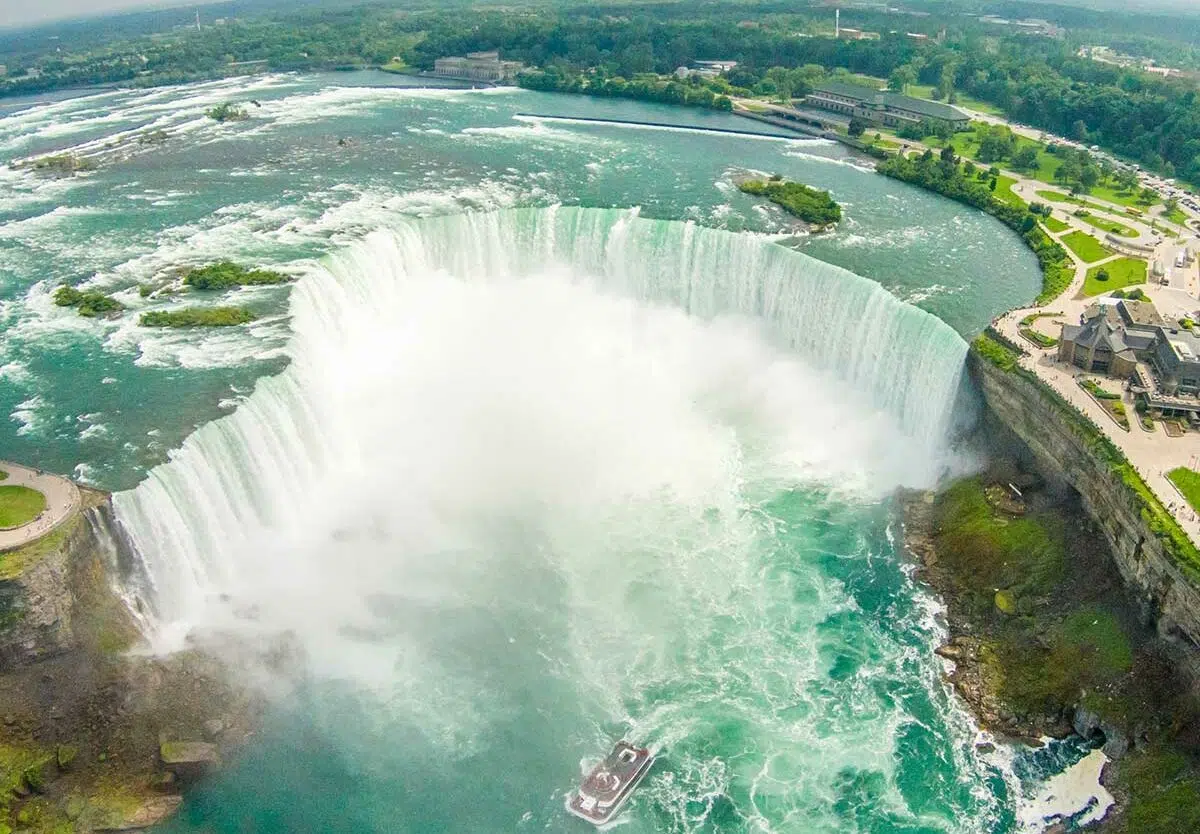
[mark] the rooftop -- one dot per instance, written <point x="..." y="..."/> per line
<point x="885" y="98"/>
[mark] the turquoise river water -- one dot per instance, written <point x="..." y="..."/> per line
<point x="557" y="438"/>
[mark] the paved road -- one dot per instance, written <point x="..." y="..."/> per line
<point x="62" y="500"/>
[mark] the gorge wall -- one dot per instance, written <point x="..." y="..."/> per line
<point x="1064" y="446"/>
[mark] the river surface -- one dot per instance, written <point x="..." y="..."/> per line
<point x="557" y="438"/>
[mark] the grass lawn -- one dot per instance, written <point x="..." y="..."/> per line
<point x="1004" y="192"/>
<point x="1106" y="225"/>
<point x="1177" y="216"/>
<point x="1054" y="224"/>
<point x="1188" y="481"/>
<point x="1121" y="198"/>
<point x="19" y="505"/>
<point x="1086" y="247"/>
<point x="1123" y="272"/>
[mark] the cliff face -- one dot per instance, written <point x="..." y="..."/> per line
<point x="1167" y="597"/>
<point x="44" y="585"/>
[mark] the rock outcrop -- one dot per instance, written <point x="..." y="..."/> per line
<point x="1167" y="597"/>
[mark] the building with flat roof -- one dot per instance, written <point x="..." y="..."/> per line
<point x="477" y="66"/>
<point x="883" y="107"/>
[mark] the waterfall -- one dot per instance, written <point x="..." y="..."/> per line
<point x="244" y="483"/>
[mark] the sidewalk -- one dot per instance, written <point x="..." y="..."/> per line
<point x="62" y="500"/>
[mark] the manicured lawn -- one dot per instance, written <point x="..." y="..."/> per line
<point x="1086" y="247"/>
<point x="1177" y="216"/>
<point x="19" y="505"/>
<point x="1123" y="272"/>
<point x="1058" y="197"/>
<point x="1054" y="224"/>
<point x="1188" y="481"/>
<point x="1121" y="198"/>
<point x="1004" y="192"/>
<point x="1106" y="225"/>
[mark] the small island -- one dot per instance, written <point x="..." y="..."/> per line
<point x="227" y="112"/>
<point x="197" y="317"/>
<point x="815" y="207"/>
<point x="90" y="303"/>
<point x="225" y="275"/>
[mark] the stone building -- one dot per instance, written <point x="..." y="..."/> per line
<point x="478" y="66"/>
<point x="882" y="107"/>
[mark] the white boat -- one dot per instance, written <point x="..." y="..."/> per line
<point x="609" y="784"/>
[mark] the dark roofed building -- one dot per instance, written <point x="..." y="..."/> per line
<point x="883" y="107"/>
<point x="1097" y="346"/>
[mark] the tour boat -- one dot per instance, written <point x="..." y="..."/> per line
<point x="609" y="784"/>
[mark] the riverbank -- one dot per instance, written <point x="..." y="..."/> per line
<point x="94" y="737"/>
<point x="1044" y="639"/>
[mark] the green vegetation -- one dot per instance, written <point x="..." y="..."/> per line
<point x="1114" y="275"/>
<point x="1085" y="246"/>
<point x="1022" y="555"/>
<point x="1176" y="216"/>
<point x="19" y="505"/>
<point x="62" y="164"/>
<point x="1004" y="192"/>
<point x="1040" y="339"/>
<point x="1188" y="482"/>
<point x="3" y="475"/>
<point x="197" y="317"/>
<point x="225" y="275"/>
<point x="227" y="112"/>
<point x="797" y="199"/>
<point x="1093" y="388"/>
<point x="1163" y="790"/>
<point x="90" y="303"/>
<point x="690" y="92"/>
<point x="1175" y="542"/>
<point x="948" y="178"/>
<point x="1055" y="225"/>
<point x="1104" y="224"/>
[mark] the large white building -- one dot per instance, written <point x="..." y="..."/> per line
<point x="478" y="66"/>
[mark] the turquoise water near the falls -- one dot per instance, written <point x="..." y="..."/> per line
<point x="557" y="439"/>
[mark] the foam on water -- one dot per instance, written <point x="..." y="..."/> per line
<point x="608" y="454"/>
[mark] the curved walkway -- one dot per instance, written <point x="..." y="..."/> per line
<point x="62" y="500"/>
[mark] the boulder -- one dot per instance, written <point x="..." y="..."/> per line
<point x="150" y="812"/>
<point x="190" y="760"/>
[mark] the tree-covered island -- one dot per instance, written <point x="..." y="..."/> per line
<point x="797" y="199"/>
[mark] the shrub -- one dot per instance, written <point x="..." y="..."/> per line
<point x="90" y="303"/>
<point x="197" y="317"/>
<point x="224" y="275"/>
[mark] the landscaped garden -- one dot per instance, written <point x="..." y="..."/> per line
<point x="1105" y="225"/>
<point x="19" y="505"/>
<point x="1114" y="275"/>
<point x="1055" y="225"/>
<point x="1086" y="247"/>
<point x="1188" y="482"/>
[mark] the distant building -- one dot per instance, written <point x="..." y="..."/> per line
<point x="845" y="33"/>
<point x="478" y="66"/>
<point x="916" y="36"/>
<point x="882" y="107"/>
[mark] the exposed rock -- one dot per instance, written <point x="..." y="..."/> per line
<point x="213" y="728"/>
<point x="151" y="812"/>
<point x="190" y="760"/>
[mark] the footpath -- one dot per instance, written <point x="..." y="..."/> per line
<point x="62" y="500"/>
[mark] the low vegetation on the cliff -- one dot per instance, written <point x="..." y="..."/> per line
<point x="225" y="275"/>
<point x="977" y="187"/>
<point x="19" y="505"/>
<point x="799" y="200"/>
<point x="197" y="317"/>
<point x="1175" y="542"/>
<point x="89" y="303"/>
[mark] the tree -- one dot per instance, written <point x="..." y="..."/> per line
<point x="1079" y="131"/>
<point x="857" y="127"/>
<point x="901" y="78"/>
<point x="1025" y="158"/>
<point x="948" y="155"/>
